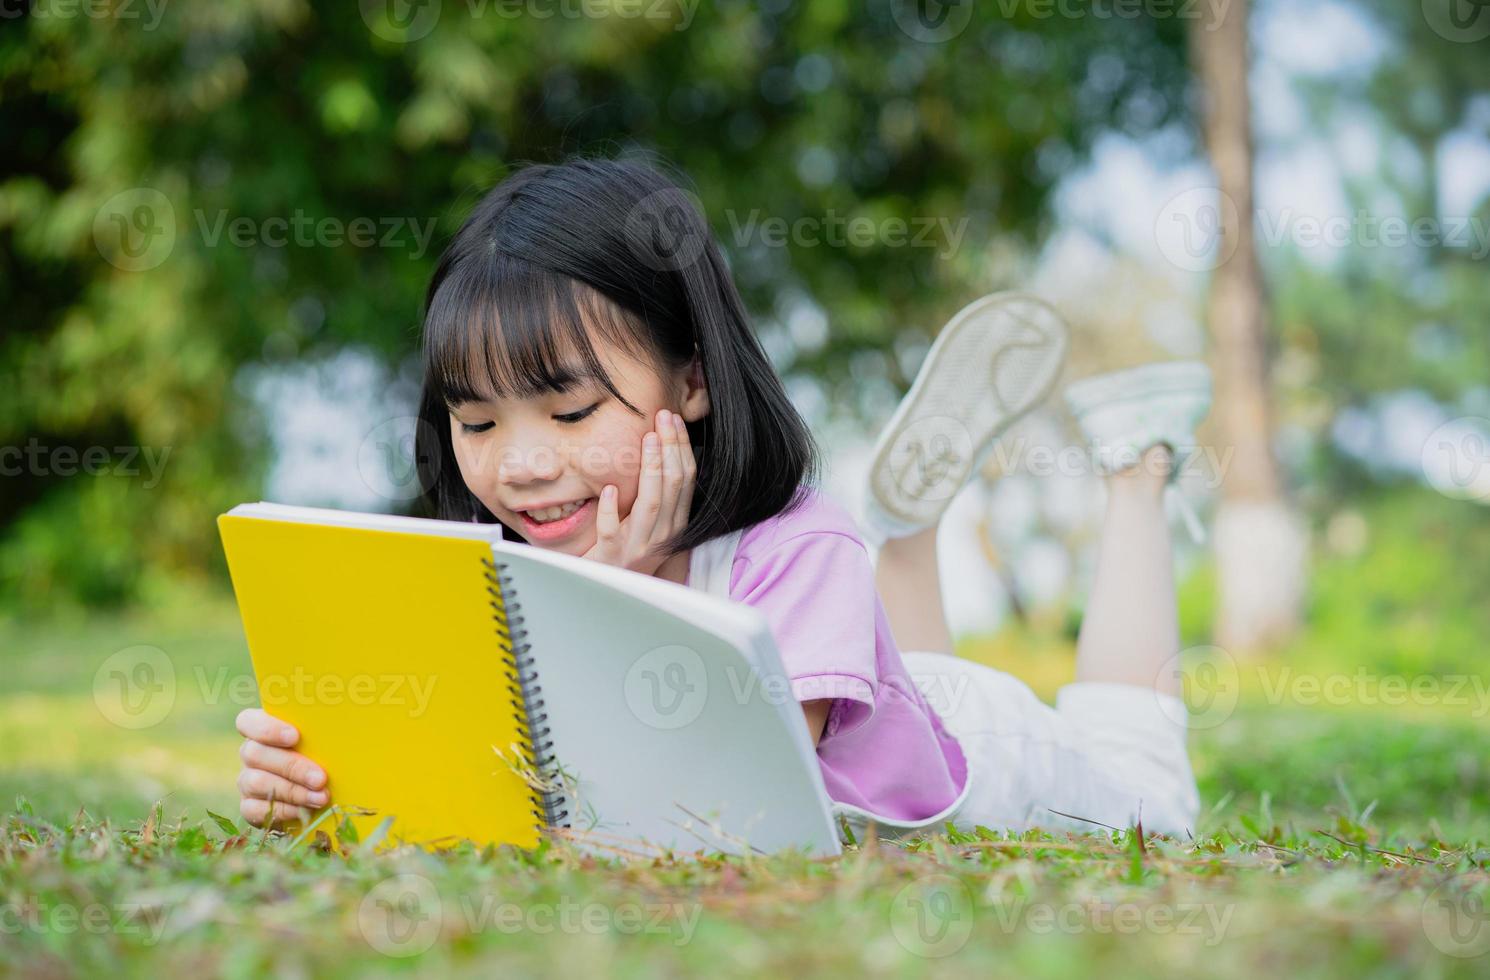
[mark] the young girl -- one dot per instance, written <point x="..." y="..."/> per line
<point x="592" y="383"/>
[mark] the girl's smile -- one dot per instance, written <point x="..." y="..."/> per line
<point x="555" y="523"/>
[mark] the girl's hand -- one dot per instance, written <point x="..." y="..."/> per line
<point x="271" y="769"/>
<point x="662" y="501"/>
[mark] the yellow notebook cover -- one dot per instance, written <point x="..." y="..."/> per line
<point x="390" y="653"/>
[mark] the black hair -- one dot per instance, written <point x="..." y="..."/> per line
<point x="617" y="245"/>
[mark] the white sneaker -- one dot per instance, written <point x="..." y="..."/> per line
<point x="1125" y="413"/>
<point x="993" y="361"/>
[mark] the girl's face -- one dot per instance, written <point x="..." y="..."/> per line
<point x="559" y="449"/>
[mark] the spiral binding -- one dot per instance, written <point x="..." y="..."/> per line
<point x="550" y="808"/>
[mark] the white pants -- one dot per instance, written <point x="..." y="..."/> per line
<point x="1106" y="752"/>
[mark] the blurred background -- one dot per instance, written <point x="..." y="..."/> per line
<point x="217" y="222"/>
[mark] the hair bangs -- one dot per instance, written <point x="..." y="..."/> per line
<point x="553" y="259"/>
<point x="506" y="328"/>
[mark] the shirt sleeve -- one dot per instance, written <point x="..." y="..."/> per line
<point x="817" y="593"/>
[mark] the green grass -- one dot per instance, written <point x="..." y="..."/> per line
<point x="190" y="895"/>
<point x="1344" y="833"/>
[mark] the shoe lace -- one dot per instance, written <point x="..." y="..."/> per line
<point x="1187" y="514"/>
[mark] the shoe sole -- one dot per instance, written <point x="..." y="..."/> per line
<point x="1140" y="382"/>
<point x="1012" y="346"/>
<point x="1091" y="395"/>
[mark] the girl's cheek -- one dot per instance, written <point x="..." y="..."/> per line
<point x="468" y="461"/>
<point x="463" y="461"/>
<point x="614" y="456"/>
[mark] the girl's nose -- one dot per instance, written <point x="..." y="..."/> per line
<point x="519" y="463"/>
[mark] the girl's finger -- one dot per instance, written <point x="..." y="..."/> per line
<point x="256" y="812"/>
<point x="259" y="725"/>
<point x="260" y="785"/>
<point x="672" y="477"/>
<point x="690" y="468"/>
<point x="685" y="449"/>
<point x="643" y="516"/>
<point x="607" y="518"/>
<point x="291" y="765"/>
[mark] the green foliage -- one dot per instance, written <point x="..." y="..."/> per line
<point x="265" y="110"/>
<point x="1416" y="781"/>
<point x="1413" y="599"/>
<point x="1390" y="316"/>
<point x="1405" y="598"/>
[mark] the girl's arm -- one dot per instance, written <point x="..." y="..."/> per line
<point x="816" y="713"/>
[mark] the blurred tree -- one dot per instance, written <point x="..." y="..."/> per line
<point x="159" y="162"/>
<point x="1388" y="314"/>
<point x="1259" y="541"/>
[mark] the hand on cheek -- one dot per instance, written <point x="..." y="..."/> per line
<point x="660" y="510"/>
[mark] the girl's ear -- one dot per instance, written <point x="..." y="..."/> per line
<point x="695" y="402"/>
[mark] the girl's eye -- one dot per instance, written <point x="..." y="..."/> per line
<point x="569" y="419"/>
<point x="574" y="417"/>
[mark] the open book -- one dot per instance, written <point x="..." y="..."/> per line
<point x="471" y="687"/>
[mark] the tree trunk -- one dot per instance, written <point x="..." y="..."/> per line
<point x="1260" y="543"/>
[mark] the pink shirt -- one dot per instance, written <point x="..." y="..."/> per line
<point x="884" y="749"/>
